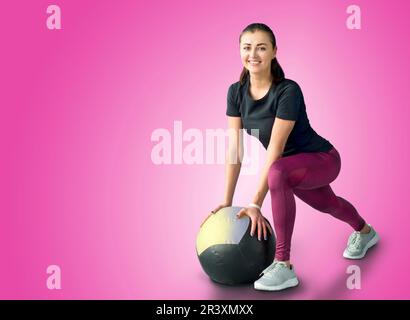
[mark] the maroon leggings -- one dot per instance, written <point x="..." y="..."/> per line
<point x="306" y="175"/>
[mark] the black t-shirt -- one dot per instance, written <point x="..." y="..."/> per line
<point x="283" y="100"/>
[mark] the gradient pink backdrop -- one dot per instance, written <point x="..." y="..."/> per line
<point x="78" y="106"/>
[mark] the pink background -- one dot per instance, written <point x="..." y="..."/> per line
<point x="78" y="106"/>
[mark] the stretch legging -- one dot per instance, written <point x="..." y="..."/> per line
<point x="306" y="175"/>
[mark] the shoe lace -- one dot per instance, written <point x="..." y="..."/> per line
<point x="354" y="240"/>
<point x="273" y="268"/>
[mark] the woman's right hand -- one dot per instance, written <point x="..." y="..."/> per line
<point x="217" y="208"/>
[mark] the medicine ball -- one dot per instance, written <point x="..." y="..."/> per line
<point x="227" y="252"/>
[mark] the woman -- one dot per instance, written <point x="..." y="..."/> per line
<point x="299" y="161"/>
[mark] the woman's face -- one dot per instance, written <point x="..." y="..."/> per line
<point x="257" y="51"/>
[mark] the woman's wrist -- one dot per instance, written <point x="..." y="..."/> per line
<point x="257" y="202"/>
<point x="254" y="205"/>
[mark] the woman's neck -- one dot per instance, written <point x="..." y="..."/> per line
<point x="260" y="81"/>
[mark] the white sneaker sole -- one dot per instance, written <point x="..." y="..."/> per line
<point x="370" y="244"/>
<point x="287" y="284"/>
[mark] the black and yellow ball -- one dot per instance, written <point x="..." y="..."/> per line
<point x="227" y="252"/>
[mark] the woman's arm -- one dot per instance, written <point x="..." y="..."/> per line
<point x="234" y="157"/>
<point x="279" y="135"/>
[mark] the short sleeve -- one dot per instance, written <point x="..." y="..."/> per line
<point x="232" y="109"/>
<point x="290" y="103"/>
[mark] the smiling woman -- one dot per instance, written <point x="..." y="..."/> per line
<point x="256" y="54"/>
<point x="299" y="162"/>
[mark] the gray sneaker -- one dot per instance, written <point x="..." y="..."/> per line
<point x="359" y="243"/>
<point x="277" y="277"/>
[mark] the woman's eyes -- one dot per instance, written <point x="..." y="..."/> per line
<point x="261" y="48"/>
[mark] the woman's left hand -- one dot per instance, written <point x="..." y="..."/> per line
<point x="258" y="221"/>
